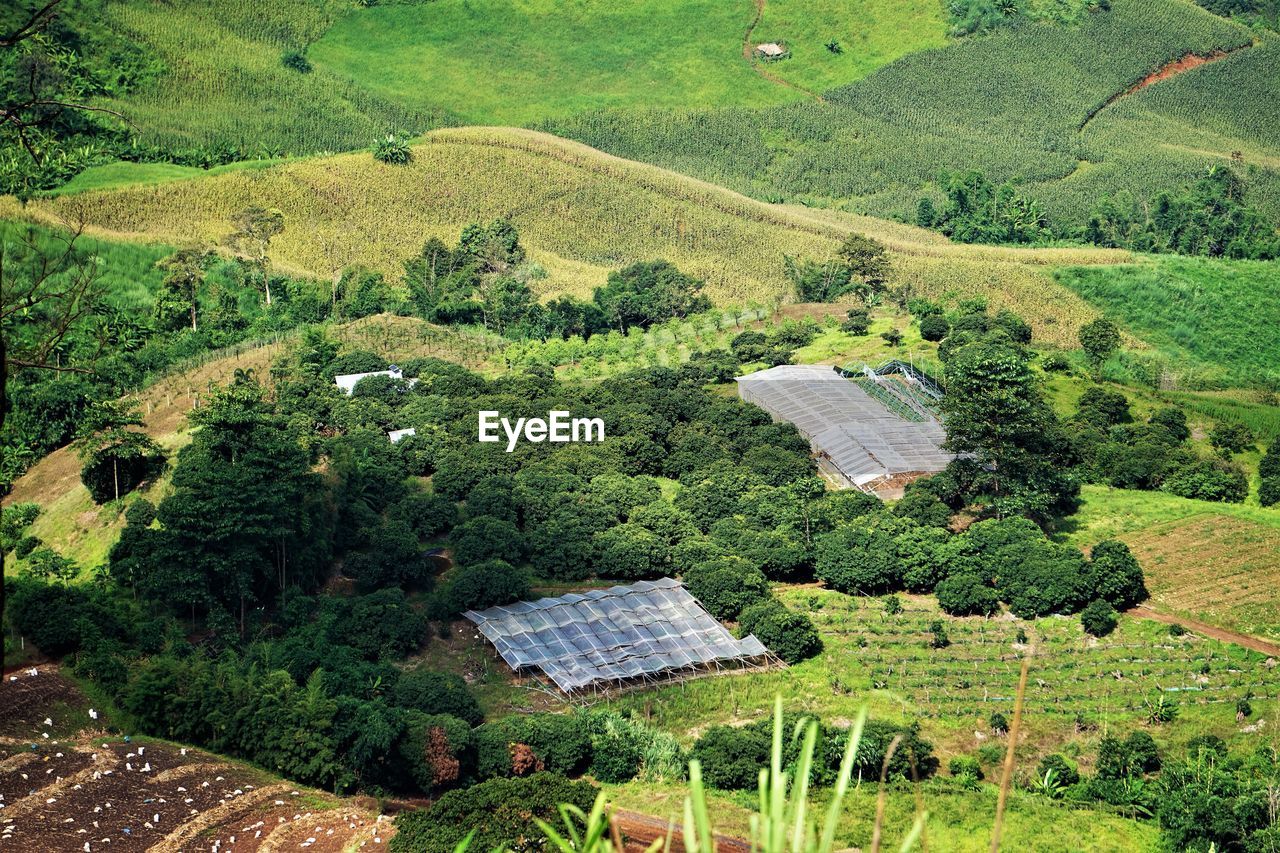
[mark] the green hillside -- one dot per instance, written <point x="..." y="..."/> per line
<point x="582" y="214"/>
<point x="1010" y="104"/>
<point x="1212" y="317"/>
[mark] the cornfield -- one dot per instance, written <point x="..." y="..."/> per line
<point x="581" y="213"/>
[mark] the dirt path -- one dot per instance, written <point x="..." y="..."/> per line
<point x="1169" y="69"/>
<point x="1197" y="627"/>
<point x="641" y="830"/>
<point x="748" y="51"/>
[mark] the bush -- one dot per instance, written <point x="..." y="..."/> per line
<point x="731" y="758"/>
<point x="426" y="515"/>
<point x="963" y="765"/>
<point x="437" y="693"/>
<point x="966" y="594"/>
<point x="1065" y="773"/>
<point x="858" y="559"/>
<point x="520" y="745"/>
<point x="25" y="546"/>
<point x="789" y="635"/>
<point x="726" y="586"/>
<point x="1176" y="630"/>
<point x="393" y="150"/>
<point x="14" y="520"/>
<point x="934" y="327"/>
<point x="105" y="471"/>
<point x="435" y="749"/>
<point x="296" y="60"/>
<point x="856" y="322"/>
<point x="499" y="811"/>
<point x="1098" y="618"/>
<point x="1207" y="480"/>
<point x="485" y="585"/>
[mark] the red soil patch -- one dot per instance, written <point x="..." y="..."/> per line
<point x="1169" y="69"/>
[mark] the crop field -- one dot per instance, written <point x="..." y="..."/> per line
<point x="581" y="213"/>
<point x="519" y="63"/>
<point x="71" y="787"/>
<point x="959" y="820"/>
<point x="1205" y="317"/>
<point x="1010" y="104"/>
<point x="1218" y="568"/>
<point x="222" y="64"/>
<point x="871" y="656"/>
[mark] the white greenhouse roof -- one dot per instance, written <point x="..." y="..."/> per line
<point x="605" y="638"/>
<point x="851" y="431"/>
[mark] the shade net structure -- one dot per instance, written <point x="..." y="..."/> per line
<point x="615" y="638"/>
<point x="864" y="432"/>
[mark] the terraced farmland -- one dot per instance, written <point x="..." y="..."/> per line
<point x="93" y="791"/>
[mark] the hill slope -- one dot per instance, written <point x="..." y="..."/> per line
<point x="1011" y="104"/>
<point x="581" y="213"/>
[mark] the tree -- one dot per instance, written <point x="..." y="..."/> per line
<point x="726" y="586"/>
<point x="104" y="439"/>
<point x="179" y="296"/>
<point x="786" y="633"/>
<point x="967" y="594"/>
<point x="1098" y="618"/>
<point x="867" y="262"/>
<point x="252" y="231"/>
<point x="1099" y="339"/>
<point x="1229" y="437"/>
<point x="997" y="415"/>
<point x="649" y="292"/>
<point x="630" y="552"/>
<point x="934" y="327"/>
<point x="858" y="559"/>
<point x="1116" y="576"/>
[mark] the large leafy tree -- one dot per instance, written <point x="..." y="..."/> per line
<point x="252" y="231"/>
<point x="649" y="292"/>
<point x="996" y="415"/>
<point x="106" y="440"/>
<point x="178" y="301"/>
<point x="241" y="520"/>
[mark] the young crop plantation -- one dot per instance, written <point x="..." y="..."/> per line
<point x="786" y="426"/>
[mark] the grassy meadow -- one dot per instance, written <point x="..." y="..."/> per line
<point x="1204" y="316"/>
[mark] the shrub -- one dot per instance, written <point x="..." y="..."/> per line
<point x="1098" y="618"/>
<point x="437" y="693"/>
<point x="966" y="594"/>
<point x="356" y="361"/>
<point x="25" y="546"/>
<point x="393" y="150"/>
<point x="60" y="620"/>
<point x="731" y="758"/>
<point x="617" y="748"/>
<point x="1056" y="363"/>
<point x="726" y="586"/>
<point x="1065" y="773"/>
<point x="14" y="520"/>
<point x="934" y="327"/>
<point x="963" y="765"/>
<point x="484" y="585"/>
<point x="296" y="60"/>
<point x="499" y="811"/>
<point x="1176" y="630"/>
<point x="789" y="635"/>
<point x="856" y="322"/>
<point x="998" y="723"/>
<point x="939" y="638"/>
<point x="426" y="515"/>
<point x="520" y="745"/>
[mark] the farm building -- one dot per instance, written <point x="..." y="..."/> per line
<point x="348" y="381"/>
<point x="616" y="638"/>
<point x="874" y="431"/>
<point x="772" y="50"/>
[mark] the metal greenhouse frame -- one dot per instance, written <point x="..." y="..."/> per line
<point x="614" y="639"/>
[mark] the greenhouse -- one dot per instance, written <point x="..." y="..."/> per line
<point x="616" y="638"/>
<point x="874" y="429"/>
